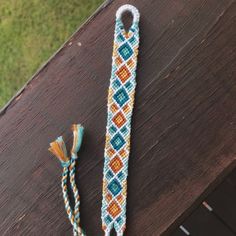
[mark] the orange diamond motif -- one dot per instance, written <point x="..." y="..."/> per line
<point x="126" y="108"/>
<point x="108" y="197"/>
<point x="114" y="209"/>
<point x="130" y="63"/>
<point x="123" y="153"/>
<point x="116" y="164"/>
<point x="114" y="107"/>
<point x="119" y="119"/>
<point x="123" y="73"/>
<point x="110" y="152"/>
<point x="118" y="60"/>
<point x="120" y="198"/>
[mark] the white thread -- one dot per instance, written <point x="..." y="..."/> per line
<point x="130" y="8"/>
<point x="120" y="233"/>
<point x="107" y="233"/>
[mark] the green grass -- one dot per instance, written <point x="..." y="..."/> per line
<point x="30" y="32"/>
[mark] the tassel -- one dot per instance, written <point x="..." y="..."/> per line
<point x="78" y="131"/>
<point x="58" y="148"/>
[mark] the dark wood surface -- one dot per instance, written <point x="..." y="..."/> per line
<point x="216" y="215"/>
<point x="183" y="136"/>
<point x="203" y="223"/>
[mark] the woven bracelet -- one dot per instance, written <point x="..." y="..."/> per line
<point x="119" y="108"/>
<point x="117" y="147"/>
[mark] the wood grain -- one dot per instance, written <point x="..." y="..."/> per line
<point x="216" y="215"/>
<point x="204" y="223"/>
<point x="183" y="136"/>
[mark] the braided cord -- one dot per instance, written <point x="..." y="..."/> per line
<point x="58" y="148"/>
<point x="76" y="198"/>
<point x="64" y="178"/>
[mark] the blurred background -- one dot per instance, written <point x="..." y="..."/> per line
<point x="30" y="32"/>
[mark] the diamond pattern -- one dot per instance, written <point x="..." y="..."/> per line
<point x="121" y="97"/>
<point x="125" y="51"/>
<point x="120" y="38"/>
<point x="108" y="219"/>
<point x="129" y="85"/>
<point x="121" y="176"/>
<point x="124" y="130"/>
<point x="114" y="187"/>
<point x="109" y="174"/>
<point x="119" y="119"/>
<point x="117" y="142"/>
<point x="123" y="74"/>
<point x="117" y="147"/>
<point x="116" y="83"/>
<point x="112" y="129"/>
<point x="114" y="209"/>
<point x="116" y="164"/>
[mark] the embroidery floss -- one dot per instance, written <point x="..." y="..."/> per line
<point x="78" y="131"/>
<point x="120" y="106"/>
<point x="58" y="148"/>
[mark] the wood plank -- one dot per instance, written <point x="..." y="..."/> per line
<point x="222" y="202"/>
<point x="231" y="179"/>
<point x="183" y="137"/>
<point x="205" y="223"/>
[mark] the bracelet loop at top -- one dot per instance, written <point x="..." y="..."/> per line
<point x="127" y="7"/>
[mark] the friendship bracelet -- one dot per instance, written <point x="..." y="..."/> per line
<point x="118" y="130"/>
<point x="119" y="108"/>
<point x="58" y="148"/>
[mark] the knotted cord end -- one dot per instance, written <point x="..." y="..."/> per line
<point x="58" y="148"/>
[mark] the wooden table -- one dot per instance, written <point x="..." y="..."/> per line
<point x="184" y="123"/>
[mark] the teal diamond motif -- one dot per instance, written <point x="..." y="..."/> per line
<point x="121" y="97"/>
<point x="109" y="174"/>
<point x="112" y="129"/>
<point x="120" y="38"/>
<point x="121" y="176"/>
<point x="119" y="220"/>
<point x="129" y="85"/>
<point x="114" y="187"/>
<point x="116" y="83"/>
<point x="108" y="219"/>
<point x="125" y="51"/>
<point x="117" y="142"/>
<point x="124" y="130"/>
